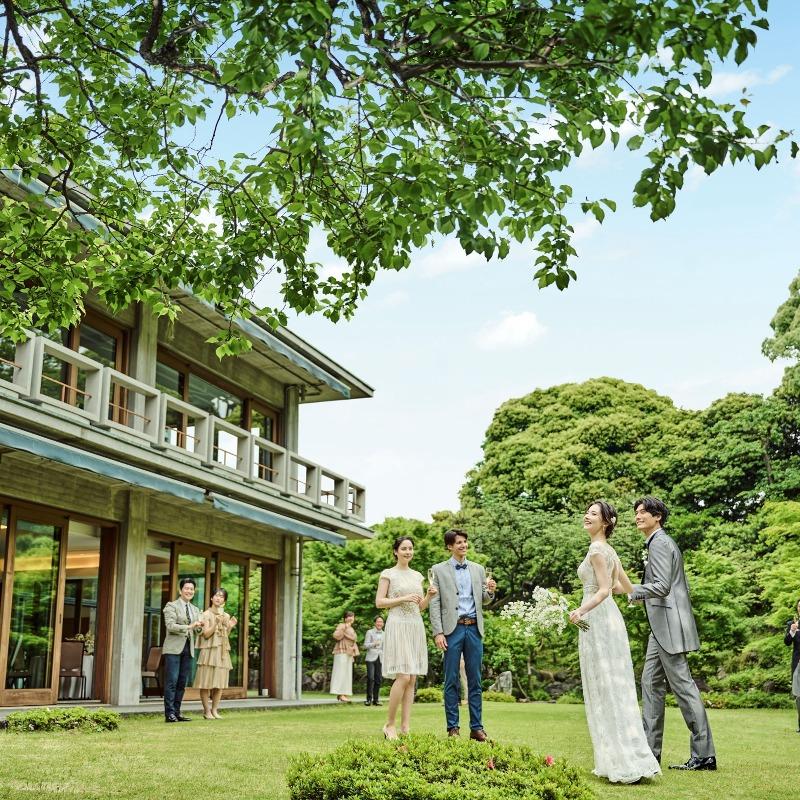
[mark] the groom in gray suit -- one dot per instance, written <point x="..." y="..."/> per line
<point x="457" y="623"/>
<point x="673" y="634"/>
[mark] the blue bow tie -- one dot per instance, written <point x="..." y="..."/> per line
<point x="461" y="566"/>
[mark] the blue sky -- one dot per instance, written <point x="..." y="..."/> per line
<point x="680" y="306"/>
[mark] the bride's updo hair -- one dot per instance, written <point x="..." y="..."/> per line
<point x="608" y="514"/>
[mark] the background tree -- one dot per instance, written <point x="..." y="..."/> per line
<point x="384" y="124"/>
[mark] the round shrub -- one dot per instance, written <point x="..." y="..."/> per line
<point x="499" y="697"/>
<point x="430" y="694"/>
<point x="572" y="698"/>
<point x="428" y="768"/>
<point x="64" y="719"/>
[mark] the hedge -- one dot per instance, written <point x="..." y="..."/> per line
<point x="430" y="768"/>
<point x="63" y="719"/>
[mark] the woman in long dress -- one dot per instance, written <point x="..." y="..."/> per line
<point x="344" y="652"/>
<point x="214" y="661"/>
<point x="792" y="639"/>
<point x="405" y="649"/>
<point x="621" y="752"/>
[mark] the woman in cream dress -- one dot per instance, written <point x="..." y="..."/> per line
<point x="405" y="649"/>
<point x="214" y="662"/>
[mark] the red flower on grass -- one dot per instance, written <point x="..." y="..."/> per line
<point x="549" y="761"/>
<point x="490" y="764"/>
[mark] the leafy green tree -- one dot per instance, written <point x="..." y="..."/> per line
<point x="384" y="123"/>
<point x="565" y="446"/>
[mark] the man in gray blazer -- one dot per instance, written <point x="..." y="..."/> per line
<point x="182" y="622"/>
<point x="673" y="634"/>
<point x="457" y="623"/>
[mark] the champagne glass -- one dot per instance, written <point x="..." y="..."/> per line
<point x="431" y="576"/>
<point x="489" y="572"/>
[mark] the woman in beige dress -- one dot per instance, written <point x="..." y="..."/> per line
<point x="405" y="649"/>
<point x="214" y="661"/>
<point x="344" y="652"/>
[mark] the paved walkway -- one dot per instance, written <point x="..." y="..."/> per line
<point x="156" y="706"/>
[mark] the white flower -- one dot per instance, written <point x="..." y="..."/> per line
<point x="547" y="609"/>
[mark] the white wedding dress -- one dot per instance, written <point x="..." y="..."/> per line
<point x="621" y="752"/>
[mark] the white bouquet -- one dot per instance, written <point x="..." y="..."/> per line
<point x="546" y="609"/>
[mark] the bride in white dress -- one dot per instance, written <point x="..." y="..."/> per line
<point x="621" y="752"/>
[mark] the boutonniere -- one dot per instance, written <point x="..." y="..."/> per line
<point x="644" y="556"/>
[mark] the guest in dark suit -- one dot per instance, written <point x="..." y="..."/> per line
<point x="792" y="639"/>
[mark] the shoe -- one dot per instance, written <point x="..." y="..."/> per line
<point x="695" y="763"/>
<point x="453" y="732"/>
<point x="479" y="735"/>
<point x="179" y="718"/>
<point x="377" y="703"/>
<point x="388" y="735"/>
<point x="367" y="703"/>
<point x="170" y="718"/>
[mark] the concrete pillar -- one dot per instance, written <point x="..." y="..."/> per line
<point x="126" y="650"/>
<point x="287" y="649"/>
<point x="144" y="346"/>
<point x="291" y="418"/>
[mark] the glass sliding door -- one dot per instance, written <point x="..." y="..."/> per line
<point x="232" y="577"/>
<point x="82" y="607"/>
<point x="31" y="620"/>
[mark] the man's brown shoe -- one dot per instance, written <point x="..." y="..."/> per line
<point x="453" y="732"/>
<point x="479" y="735"/>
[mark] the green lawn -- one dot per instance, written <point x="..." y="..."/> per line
<point x="245" y="754"/>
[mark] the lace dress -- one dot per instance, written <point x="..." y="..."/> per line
<point x="405" y="650"/>
<point x="621" y="752"/>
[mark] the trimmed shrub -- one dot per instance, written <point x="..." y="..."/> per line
<point x="499" y="697"/>
<point x="64" y="719"/>
<point x="428" y="768"/>
<point x="539" y="696"/>
<point x="430" y="694"/>
<point x="572" y="698"/>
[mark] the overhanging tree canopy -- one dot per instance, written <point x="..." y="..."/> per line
<point x="382" y="123"/>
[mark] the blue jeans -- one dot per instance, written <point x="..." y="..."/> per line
<point x="176" y="673"/>
<point x="465" y="640"/>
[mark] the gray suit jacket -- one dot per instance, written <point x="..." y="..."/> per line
<point x="443" y="607"/>
<point x="177" y="629"/>
<point x="666" y="596"/>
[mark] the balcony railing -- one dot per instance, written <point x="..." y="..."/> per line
<point x="111" y="400"/>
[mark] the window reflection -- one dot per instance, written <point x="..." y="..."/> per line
<point x="29" y="659"/>
<point x="231" y="578"/>
<point x="156" y="593"/>
<point x="8" y="356"/>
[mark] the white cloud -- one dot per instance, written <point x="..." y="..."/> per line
<point x="725" y="83"/>
<point x="585" y="229"/>
<point x="511" y="331"/>
<point x="695" y="176"/>
<point x="447" y="257"/>
<point x="700" y="392"/>
<point x="396" y="298"/>
<point x="209" y="219"/>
